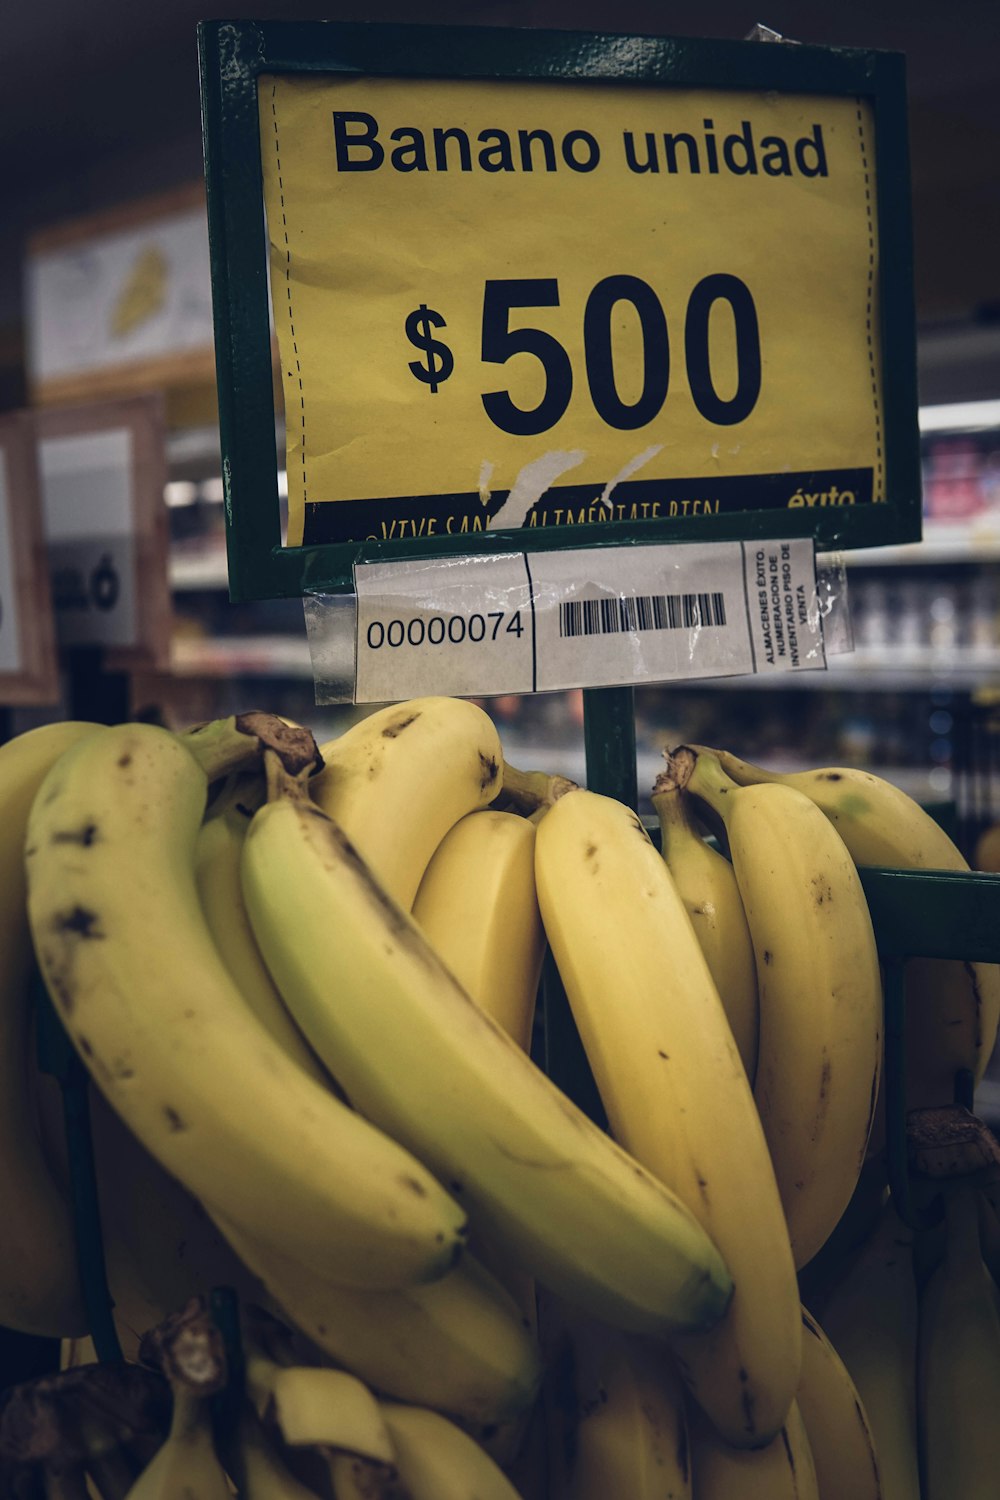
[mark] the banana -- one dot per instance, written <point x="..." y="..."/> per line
<point x="708" y="888"/>
<point x="959" y="1363"/>
<point x="218" y="850"/>
<point x="458" y="1344"/>
<point x="952" y="1007"/>
<point x="436" y="1460"/>
<point x="820" y="1049"/>
<point x="839" y="1434"/>
<point x="134" y="973"/>
<point x="263" y="1476"/>
<point x="312" y="1405"/>
<point x="615" y="1409"/>
<point x="870" y="1318"/>
<point x="420" y="1059"/>
<point x="675" y="1091"/>
<point x="39" y="1291"/>
<point x="187" y="1466"/>
<point x="477" y="908"/>
<point x="357" y="1479"/>
<point x="784" y="1470"/>
<point x="397" y="781"/>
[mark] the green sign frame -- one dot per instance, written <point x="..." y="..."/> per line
<point x="232" y="55"/>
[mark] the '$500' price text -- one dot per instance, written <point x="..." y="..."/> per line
<point x="500" y="342"/>
<point x="444" y="629"/>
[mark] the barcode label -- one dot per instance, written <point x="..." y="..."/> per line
<point x="631" y="613"/>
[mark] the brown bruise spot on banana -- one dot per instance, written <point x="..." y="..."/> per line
<point x="393" y="730"/>
<point x="125" y="760"/>
<point x="682" y="1454"/>
<point x="489" y="770"/>
<point x="702" y="1187"/>
<point x="413" y="1185"/>
<point x="175" y="1122"/>
<point x="822" y="890"/>
<point x="85" y="1045"/>
<point x="84" y="837"/>
<point x="768" y="956"/>
<point x="590" y="851"/>
<point x="977" y="998"/>
<point x="747" y="1403"/>
<point x="78" y="922"/>
<point x="831" y="776"/>
<point x="788" y="1449"/>
<point x="665" y="1055"/>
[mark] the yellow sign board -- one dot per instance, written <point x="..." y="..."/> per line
<point x="535" y="304"/>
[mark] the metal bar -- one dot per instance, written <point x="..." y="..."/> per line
<point x="894" y="1085"/>
<point x="609" y="741"/>
<point x="935" y="913"/>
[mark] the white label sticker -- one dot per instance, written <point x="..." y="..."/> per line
<point x="10" y="639"/>
<point x="592" y="617"/>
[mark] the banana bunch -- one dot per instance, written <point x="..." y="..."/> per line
<point x="303" y="984"/>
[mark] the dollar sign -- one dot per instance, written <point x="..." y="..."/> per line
<point x="439" y="360"/>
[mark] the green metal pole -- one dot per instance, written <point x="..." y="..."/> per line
<point x="609" y="741"/>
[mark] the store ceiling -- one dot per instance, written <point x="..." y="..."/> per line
<point x="100" y="103"/>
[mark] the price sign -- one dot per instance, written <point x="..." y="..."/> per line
<point x="555" y="285"/>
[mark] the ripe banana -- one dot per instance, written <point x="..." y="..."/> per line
<point x="870" y="1318"/>
<point x="187" y="1464"/>
<point x="839" y="1434"/>
<point x="39" y="1291"/>
<point x="421" y="1060"/>
<point x="614" y="1412"/>
<point x="820" y="1049"/>
<point x="477" y="908"/>
<point x="313" y="1405"/>
<point x="135" y="976"/>
<point x="952" y="1007"/>
<point x="436" y="1460"/>
<point x="218" y="850"/>
<point x="784" y="1470"/>
<point x="263" y="1476"/>
<point x="708" y="888"/>
<point x="397" y="781"/>
<point x="959" y="1363"/>
<point x="675" y="1091"/>
<point x="458" y="1344"/>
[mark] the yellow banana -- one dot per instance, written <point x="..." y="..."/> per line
<point x="839" y="1434"/>
<point x="419" y="1058"/>
<point x="436" y="1460"/>
<point x="708" y="888"/>
<point x="39" y="1291"/>
<point x="615" y="1414"/>
<point x="784" y="1470"/>
<point x="477" y="908"/>
<point x="397" y="781"/>
<point x="218" y="850"/>
<point x="820" y="1049"/>
<point x="675" y="1091"/>
<point x="959" y="1363"/>
<point x="870" y="1318"/>
<point x="263" y="1475"/>
<point x="458" y="1344"/>
<point x="135" y="976"/>
<point x="952" y="1007"/>
<point x="311" y="1405"/>
<point x="187" y="1464"/>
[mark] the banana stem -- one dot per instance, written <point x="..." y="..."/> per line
<point x="699" y="773"/>
<point x="237" y="744"/>
<point x="672" y="806"/>
<point x="530" y="791"/>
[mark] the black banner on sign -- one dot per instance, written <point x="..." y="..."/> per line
<point x="407" y="516"/>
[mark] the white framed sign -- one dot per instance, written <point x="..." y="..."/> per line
<point x="28" y="662"/>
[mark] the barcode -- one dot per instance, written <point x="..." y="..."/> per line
<point x="634" y="612"/>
